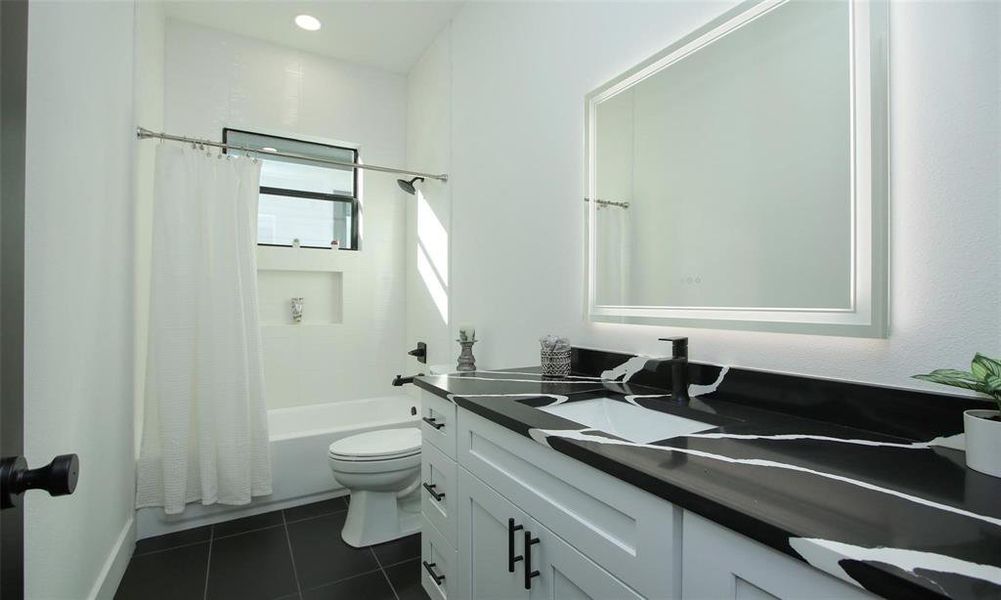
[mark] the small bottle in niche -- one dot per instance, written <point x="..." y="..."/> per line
<point x="296" y="243"/>
<point x="335" y="245"/>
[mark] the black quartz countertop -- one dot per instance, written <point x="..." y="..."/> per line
<point x="850" y="478"/>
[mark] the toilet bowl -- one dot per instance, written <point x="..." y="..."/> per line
<point x="381" y="469"/>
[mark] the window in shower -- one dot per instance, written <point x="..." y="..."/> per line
<point x="315" y="203"/>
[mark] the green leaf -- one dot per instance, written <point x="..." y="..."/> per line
<point x="993" y="385"/>
<point x="955" y="378"/>
<point x="951" y="373"/>
<point x="979" y="370"/>
<point x="986" y="365"/>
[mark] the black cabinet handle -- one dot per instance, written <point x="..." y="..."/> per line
<point x="430" y="487"/>
<point x="529" y="573"/>
<point x="511" y="558"/>
<point x="429" y="567"/>
<point x="433" y="423"/>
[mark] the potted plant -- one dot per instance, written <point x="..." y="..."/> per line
<point x="983" y="427"/>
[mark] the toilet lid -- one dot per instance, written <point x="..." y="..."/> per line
<point x="383" y="443"/>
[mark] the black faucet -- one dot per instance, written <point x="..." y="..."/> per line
<point x="679" y="367"/>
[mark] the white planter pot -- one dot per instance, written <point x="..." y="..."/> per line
<point x="983" y="441"/>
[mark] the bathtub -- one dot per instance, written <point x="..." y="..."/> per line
<point x="299" y="438"/>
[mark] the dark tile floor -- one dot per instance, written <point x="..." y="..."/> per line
<point x="293" y="553"/>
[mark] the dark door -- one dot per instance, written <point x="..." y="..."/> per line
<point x="13" y="57"/>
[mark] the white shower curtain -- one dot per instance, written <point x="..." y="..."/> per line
<point x="205" y="431"/>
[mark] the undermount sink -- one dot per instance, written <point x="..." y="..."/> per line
<point x="627" y="421"/>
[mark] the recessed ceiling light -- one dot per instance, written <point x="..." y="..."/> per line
<point x="308" y="22"/>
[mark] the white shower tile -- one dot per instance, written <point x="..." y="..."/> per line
<point x="281" y="370"/>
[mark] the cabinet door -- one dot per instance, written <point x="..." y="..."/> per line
<point x="566" y="574"/>
<point x="486" y="543"/>
<point x="720" y="564"/>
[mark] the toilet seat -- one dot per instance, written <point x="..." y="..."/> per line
<point x="379" y="445"/>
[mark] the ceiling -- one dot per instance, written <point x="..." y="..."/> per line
<point x="389" y="35"/>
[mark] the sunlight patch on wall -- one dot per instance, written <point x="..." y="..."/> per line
<point x="432" y="237"/>
<point x="434" y="286"/>
<point x="432" y="255"/>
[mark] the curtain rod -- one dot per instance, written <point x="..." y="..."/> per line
<point x="143" y="133"/>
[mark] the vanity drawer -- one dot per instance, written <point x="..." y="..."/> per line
<point x="438" y="422"/>
<point x="438" y="502"/>
<point x="632" y="534"/>
<point x="438" y="561"/>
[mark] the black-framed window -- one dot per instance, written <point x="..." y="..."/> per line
<point x="312" y="202"/>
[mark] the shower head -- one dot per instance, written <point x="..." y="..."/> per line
<point x="408" y="186"/>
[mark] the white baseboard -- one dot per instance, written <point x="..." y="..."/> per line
<point x="116" y="563"/>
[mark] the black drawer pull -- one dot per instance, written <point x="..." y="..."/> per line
<point x="529" y="573"/>
<point x="433" y="422"/>
<point x="429" y="567"/>
<point x="431" y="487"/>
<point x="511" y="558"/>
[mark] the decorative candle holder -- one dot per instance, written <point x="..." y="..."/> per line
<point x="467" y="362"/>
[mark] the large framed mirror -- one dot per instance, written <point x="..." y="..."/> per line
<point x="739" y="178"/>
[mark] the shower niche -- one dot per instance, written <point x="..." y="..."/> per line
<point x="322" y="294"/>
<point x="318" y="280"/>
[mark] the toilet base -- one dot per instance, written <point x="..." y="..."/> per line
<point x="377" y="517"/>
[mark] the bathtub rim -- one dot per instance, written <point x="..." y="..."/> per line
<point x="359" y="426"/>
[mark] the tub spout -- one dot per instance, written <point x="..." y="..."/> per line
<point x="400" y="380"/>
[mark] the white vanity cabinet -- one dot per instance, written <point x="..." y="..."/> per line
<point x="615" y="536"/>
<point x="506" y="555"/>
<point x="591" y="535"/>
<point x="720" y="564"/>
<point x="631" y="533"/>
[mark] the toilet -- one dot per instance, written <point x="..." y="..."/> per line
<point x="381" y="469"/>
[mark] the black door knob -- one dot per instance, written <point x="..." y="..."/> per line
<point x="58" y="478"/>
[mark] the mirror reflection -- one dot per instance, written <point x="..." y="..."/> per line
<point x="725" y="179"/>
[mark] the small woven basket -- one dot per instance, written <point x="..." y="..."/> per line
<point x="555" y="363"/>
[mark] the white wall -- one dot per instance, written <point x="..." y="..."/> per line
<point x="216" y="79"/>
<point x="149" y="56"/>
<point x="519" y="75"/>
<point x="79" y="290"/>
<point x="429" y="212"/>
